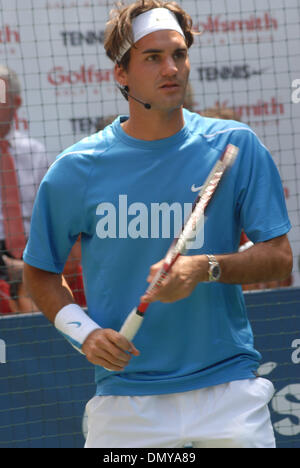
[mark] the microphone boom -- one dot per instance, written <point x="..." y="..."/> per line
<point x="125" y="90"/>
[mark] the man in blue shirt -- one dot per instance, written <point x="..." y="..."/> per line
<point x="126" y="190"/>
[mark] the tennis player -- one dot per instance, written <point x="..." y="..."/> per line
<point x="191" y="373"/>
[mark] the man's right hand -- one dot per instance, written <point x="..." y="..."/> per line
<point x="107" y="348"/>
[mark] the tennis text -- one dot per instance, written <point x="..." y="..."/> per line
<point x="137" y="220"/>
<point x="2" y="352"/>
<point x="296" y="92"/>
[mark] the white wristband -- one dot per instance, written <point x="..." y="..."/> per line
<point x="75" y="325"/>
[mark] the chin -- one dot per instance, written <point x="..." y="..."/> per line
<point x="171" y="104"/>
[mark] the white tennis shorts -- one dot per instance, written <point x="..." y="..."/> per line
<point x="231" y="415"/>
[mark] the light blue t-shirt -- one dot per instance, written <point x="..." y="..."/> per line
<point x="126" y="197"/>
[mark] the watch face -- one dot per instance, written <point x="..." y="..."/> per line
<point x="215" y="272"/>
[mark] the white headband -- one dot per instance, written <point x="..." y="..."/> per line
<point x="153" y="20"/>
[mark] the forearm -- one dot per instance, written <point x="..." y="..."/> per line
<point x="49" y="291"/>
<point x="252" y="266"/>
<point x="265" y="261"/>
<point x="104" y="347"/>
<point x="54" y="298"/>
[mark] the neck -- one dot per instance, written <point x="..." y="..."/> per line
<point x="152" y="125"/>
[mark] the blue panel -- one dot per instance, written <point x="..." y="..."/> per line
<point x="44" y="386"/>
<point x="45" y="383"/>
<point x="275" y="318"/>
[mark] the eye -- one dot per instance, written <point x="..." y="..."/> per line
<point x="152" y="58"/>
<point x="180" y="54"/>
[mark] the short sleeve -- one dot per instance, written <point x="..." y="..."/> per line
<point x="58" y="213"/>
<point x="259" y="192"/>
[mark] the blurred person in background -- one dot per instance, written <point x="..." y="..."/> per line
<point x="104" y="121"/>
<point x="23" y="163"/>
<point x="22" y="168"/>
<point x="73" y="274"/>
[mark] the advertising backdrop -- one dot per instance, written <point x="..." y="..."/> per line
<point x="247" y="58"/>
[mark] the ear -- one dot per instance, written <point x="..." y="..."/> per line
<point x="120" y="75"/>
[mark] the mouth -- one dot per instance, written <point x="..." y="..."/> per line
<point x="170" y="86"/>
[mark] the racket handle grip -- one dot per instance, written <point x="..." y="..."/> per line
<point x="131" y="325"/>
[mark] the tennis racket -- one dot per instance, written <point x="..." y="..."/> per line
<point x="179" y="246"/>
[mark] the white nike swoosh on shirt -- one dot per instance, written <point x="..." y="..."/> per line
<point x="196" y="189"/>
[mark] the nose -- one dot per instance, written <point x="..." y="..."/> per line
<point x="169" y="67"/>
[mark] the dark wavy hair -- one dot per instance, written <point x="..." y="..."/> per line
<point x="119" y="27"/>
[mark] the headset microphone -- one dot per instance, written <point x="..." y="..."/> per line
<point x="125" y="90"/>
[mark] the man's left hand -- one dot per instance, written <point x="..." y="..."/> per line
<point x="182" y="279"/>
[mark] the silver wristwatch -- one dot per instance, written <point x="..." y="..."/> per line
<point x="214" y="269"/>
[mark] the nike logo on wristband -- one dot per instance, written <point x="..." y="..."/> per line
<point x="75" y="323"/>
